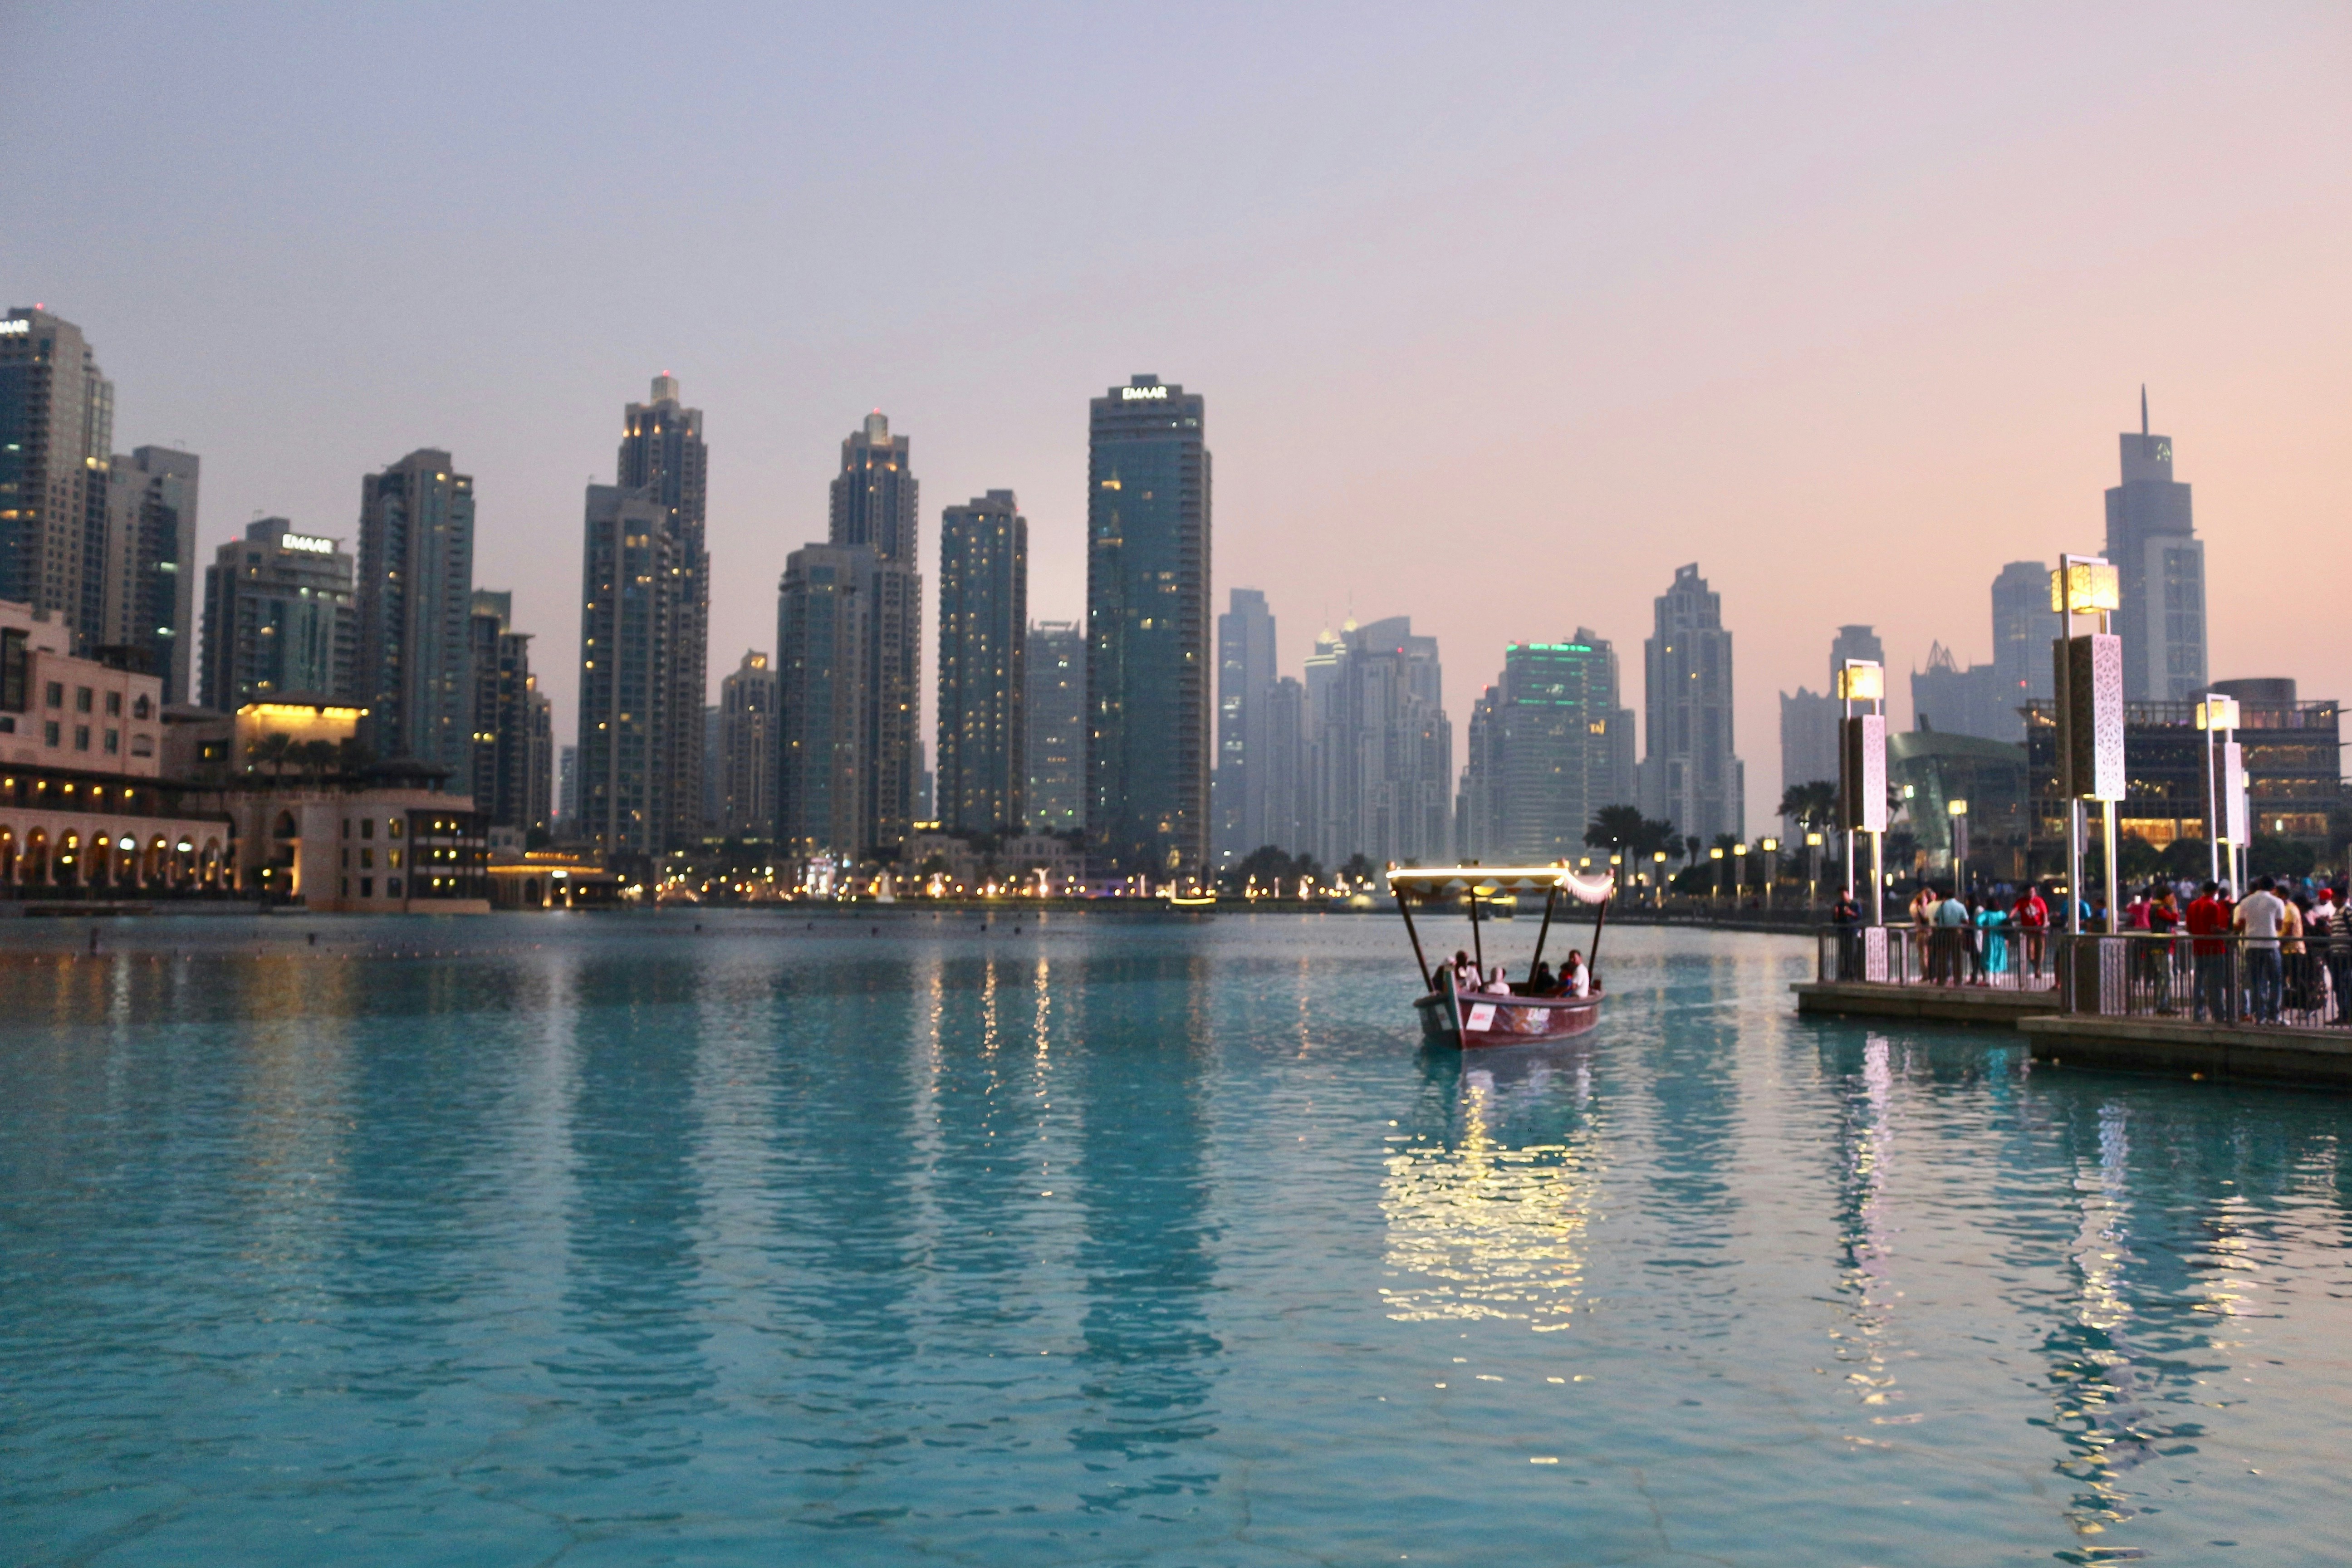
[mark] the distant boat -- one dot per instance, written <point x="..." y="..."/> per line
<point x="1469" y="1020"/>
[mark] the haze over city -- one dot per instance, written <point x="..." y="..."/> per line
<point x="1500" y="316"/>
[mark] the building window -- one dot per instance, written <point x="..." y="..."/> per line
<point x="143" y="745"/>
<point x="392" y="887"/>
<point x="347" y="887"/>
<point x="141" y="708"/>
<point x="82" y="695"/>
<point x="55" y="694"/>
<point x="114" y="705"/>
<point x="367" y="860"/>
<point x="82" y="737"/>
<point x="367" y="827"/>
<point x="391" y="858"/>
<point x="49" y="732"/>
<point x="392" y="828"/>
<point x="367" y="886"/>
<point x="113" y="743"/>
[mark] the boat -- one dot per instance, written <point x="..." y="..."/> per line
<point x="1477" y="1019"/>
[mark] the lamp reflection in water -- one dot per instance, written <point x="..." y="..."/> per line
<point x="1867" y="1337"/>
<point x="1481" y="1225"/>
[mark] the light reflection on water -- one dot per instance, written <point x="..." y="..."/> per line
<point x="616" y="1240"/>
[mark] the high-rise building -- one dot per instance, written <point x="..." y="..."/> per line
<point x="567" y="787"/>
<point x="1246" y="678"/>
<point x="1380" y="748"/>
<point x="663" y="457"/>
<point x="1691" y="776"/>
<point x="1148" y="647"/>
<point x="1548" y="748"/>
<point x="280" y="622"/>
<point x="1053" y="715"/>
<point x="416" y="592"/>
<point x="712" y="810"/>
<point x="540" y="767"/>
<point x="982" y="777"/>
<point x="503" y="713"/>
<point x="1281" y="770"/>
<point x="2023" y="627"/>
<point x="874" y="508"/>
<point x="149" y="591"/>
<point x="56" y="433"/>
<point x="2160" y="565"/>
<point x="748" y="699"/>
<point x="636" y="798"/>
<point x="823" y="639"/>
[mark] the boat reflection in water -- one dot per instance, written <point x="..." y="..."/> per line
<point x="1489" y="1204"/>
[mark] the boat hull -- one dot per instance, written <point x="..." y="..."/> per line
<point x="1480" y="1020"/>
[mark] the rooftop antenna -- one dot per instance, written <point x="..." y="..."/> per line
<point x="2143" y="408"/>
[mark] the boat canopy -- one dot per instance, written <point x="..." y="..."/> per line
<point x="1431" y="884"/>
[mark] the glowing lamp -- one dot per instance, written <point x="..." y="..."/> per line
<point x="1861" y="682"/>
<point x="1956" y="807"/>
<point x="2218" y="713"/>
<point x="2085" y="586"/>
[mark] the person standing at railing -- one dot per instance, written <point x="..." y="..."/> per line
<point x="1951" y="935"/>
<point x="2031" y="917"/>
<point x="1846" y="916"/>
<point x="1992" y="925"/>
<point x="2339" y="962"/>
<point x="2262" y="915"/>
<point x="2163" y="919"/>
<point x="2301" y="978"/>
<point x="2209" y="918"/>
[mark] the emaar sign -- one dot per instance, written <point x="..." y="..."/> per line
<point x="1143" y="394"/>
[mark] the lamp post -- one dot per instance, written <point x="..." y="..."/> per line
<point x="1812" y="867"/>
<point x="1716" y="855"/>
<point x="1771" y="868"/>
<point x="1738" y="870"/>
<point x="1958" y="810"/>
<point x="2089" y="687"/>
<point x="2224" y="795"/>
<point x="1658" y="876"/>
<point x="1862" y="771"/>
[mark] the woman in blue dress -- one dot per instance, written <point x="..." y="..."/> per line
<point x="1993" y="921"/>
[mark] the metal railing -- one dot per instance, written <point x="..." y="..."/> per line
<point x="2230" y="980"/>
<point x="1988" y="958"/>
<point x="2208" y="979"/>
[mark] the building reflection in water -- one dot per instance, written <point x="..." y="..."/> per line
<point x="1488" y="1197"/>
<point x="1144" y="1253"/>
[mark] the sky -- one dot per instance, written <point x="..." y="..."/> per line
<point x="1502" y="312"/>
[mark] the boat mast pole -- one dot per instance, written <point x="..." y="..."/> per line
<point x="1478" y="949"/>
<point x="1551" y="896"/>
<point x="1404" y="907"/>
<point x="1592" y="960"/>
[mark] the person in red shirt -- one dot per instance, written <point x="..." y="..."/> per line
<point x="2032" y="917"/>
<point x="2208" y="919"/>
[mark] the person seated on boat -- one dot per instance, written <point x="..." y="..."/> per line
<point x="1575" y="979"/>
<point x="1542" y="982"/>
<point x="1498" y="985"/>
<point x="1465" y="972"/>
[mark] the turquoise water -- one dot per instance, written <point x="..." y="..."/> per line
<point x="610" y="1241"/>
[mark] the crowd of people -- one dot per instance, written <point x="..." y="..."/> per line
<point x="2285" y="946"/>
<point x="1573" y="978"/>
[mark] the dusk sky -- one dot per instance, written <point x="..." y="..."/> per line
<point x="1502" y="313"/>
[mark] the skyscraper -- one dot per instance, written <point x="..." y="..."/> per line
<point x="56" y="433"/>
<point x="874" y="508"/>
<point x="663" y="456"/>
<point x="415" y="590"/>
<point x="1280" y="771"/>
<point x="279" y="622"/>
<point x="1148" y="647"/>
<point x="1691" y="775"/>
<point x="1246" y="678"/>
<point x="823" y="639"/>
<point x="503" y="715"/>
<point x="1380" y="748"/>
<point x="1549" y="747"/>
<point x="748" y="699"/>
<point x="149" y="595"/>
<point x="635" y="796"/>
<point x="1054" y="718"/>
<point x="539" y="764"/>
<point x="2160" y="563"/>
<point x="2023" y="627"/>
<point x="982" y="775"/>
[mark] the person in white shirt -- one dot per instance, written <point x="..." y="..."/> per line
<point x="1578" y="979"/>
<point x="2259" y="914"/>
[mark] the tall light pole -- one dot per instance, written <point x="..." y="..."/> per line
<point x="1658" y="876"/>
<point x="1714" y="853"/>
<point x="1862" y="771"/>
<point x="1812" y="866"/>
<point x="1958" y="810"/>
<point x="1771" y="868"/>
<point x="2090" y="690"/>
<point x="1738" y="870"/>
<point x="2224" y="781"/>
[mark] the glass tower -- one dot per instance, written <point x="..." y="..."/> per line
<point x="1148" y="632"/>
<point x="981" y="777"/>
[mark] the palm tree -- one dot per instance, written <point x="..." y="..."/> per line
<point x="271" y="750"/>
<point x="1808" y="805"/>
<point x="1617" y="827"/>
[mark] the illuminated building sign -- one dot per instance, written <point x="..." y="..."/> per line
<point x="304" y="542"/>
<point x="1141" y="393"/>
<point x="15" y="328"/>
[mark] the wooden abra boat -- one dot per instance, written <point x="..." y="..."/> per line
<point x="1469" y="1019"/>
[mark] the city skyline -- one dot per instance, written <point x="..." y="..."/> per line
<point x="1707" y="321"/>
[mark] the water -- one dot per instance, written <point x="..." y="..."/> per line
<point x="602" y="1240"/>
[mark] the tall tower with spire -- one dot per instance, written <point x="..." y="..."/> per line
<point x="874" y="503"/>
<point x="2160" y="563"/>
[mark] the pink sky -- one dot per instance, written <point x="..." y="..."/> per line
<point x="1501" y="313"/>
